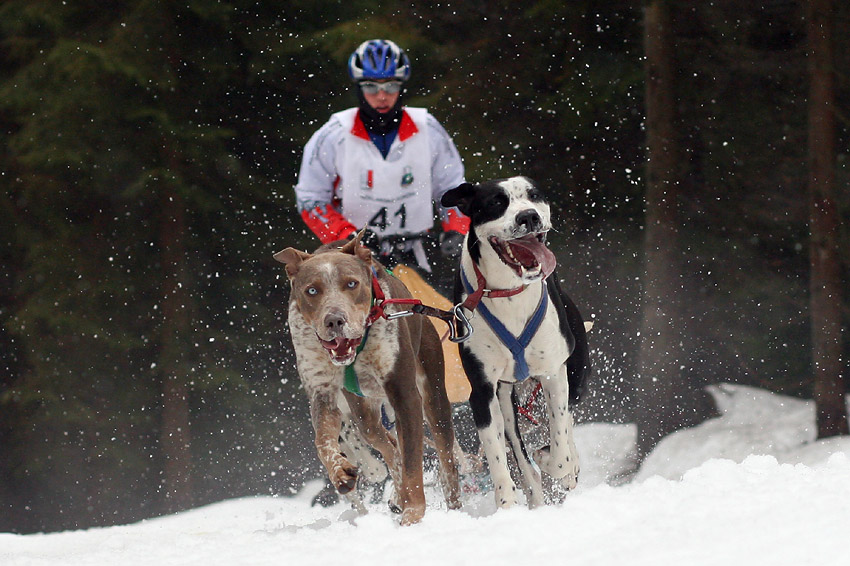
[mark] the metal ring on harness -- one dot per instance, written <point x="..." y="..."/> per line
<point x="457" y="310"/>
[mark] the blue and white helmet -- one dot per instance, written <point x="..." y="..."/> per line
<point x="379" y="59"/>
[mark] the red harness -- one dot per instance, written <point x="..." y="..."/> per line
<point x="475" y="297"/>
<point x="459" y="327"/>
<point x="379" y="301"/>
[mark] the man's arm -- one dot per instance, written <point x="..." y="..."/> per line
<point x="317" y="180"/>
<point x="327" y="223"/>
<point x="446" y="174"/>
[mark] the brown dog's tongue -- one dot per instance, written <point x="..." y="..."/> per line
<point x="340" y="343"/>
<point x="529" y="250"/>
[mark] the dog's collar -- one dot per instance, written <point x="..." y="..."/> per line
<point x="481" y="291"/>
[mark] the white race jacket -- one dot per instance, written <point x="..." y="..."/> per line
<point x="341" y="166"/>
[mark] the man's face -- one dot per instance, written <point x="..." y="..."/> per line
<point x="381" y="94"/>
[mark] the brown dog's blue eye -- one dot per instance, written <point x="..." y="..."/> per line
<point x="312" y="291"/>
<point x="351" y="284"/>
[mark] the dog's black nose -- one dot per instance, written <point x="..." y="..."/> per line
<point x="334" y="320"/>
<point x="530" y="220"/>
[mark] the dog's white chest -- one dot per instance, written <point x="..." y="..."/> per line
<point x="545" y="352"/>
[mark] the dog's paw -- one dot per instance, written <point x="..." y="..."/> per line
<point x="344" y="476"/>
<point x="412" y="514"/>
<point x="394" y="502"/>
<point x="506" y="495"/>
<point x="557" y="467"/>
<point x="570" y="481"/>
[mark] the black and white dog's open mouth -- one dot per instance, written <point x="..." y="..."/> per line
<point x="528" y="256"/>
<point x="341" y="350"/>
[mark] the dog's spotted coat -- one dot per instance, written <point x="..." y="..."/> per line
<point x="400" y="364"/>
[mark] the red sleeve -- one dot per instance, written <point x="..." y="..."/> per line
<point x="455" y="221"/>
<point x="327" y="223"/>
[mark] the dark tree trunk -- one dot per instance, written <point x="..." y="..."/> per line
<point x="825" y="264"/>
<point x="659" y="386"/>
<point x="175" y="438"/>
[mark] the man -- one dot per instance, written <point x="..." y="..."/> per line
<point x="380" y="165"/>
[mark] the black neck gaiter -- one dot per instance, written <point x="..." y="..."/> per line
<point x="376" y="122"/>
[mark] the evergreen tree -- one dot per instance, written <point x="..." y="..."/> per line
<point x="121" y="122"/>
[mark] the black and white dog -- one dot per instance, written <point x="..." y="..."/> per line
<point x="524" y="325"/>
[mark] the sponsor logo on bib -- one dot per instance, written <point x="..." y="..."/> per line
<point x="407" y="178"/>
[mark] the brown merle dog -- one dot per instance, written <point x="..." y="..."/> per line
<point x="349" y="355"/>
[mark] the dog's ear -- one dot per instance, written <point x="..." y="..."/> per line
<point x="356" y="249"/>
<point x="293" y="259"/>
<point x="460" y="196"/>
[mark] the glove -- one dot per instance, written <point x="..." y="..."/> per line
<point x="451" y="243"/>
<point x="369" y="239"/>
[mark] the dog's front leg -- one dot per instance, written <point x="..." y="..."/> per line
<point x="529" y="476"/>
<point x="559" y="459"/>
<point x="491" y="425"/>
<point x="327" y="424"/>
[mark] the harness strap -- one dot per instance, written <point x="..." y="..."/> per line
<point x="516" y="344"/>
<point x="379" y="301"/>
<point x="474" y="297"/>
<point x="459" y="327"/>
<point x="527" y="409"/>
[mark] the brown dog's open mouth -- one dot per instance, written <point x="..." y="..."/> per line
<point x="528" y="256"/>
<point x="341" y="350"/>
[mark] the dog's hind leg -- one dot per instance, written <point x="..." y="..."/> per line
<point x="529" y="476"/>
<point x="358" y="449"/>
<point x="438" y="413"/>
<point x="559" y="459"/>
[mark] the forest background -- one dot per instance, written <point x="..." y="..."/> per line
<point x="148" y="150"/>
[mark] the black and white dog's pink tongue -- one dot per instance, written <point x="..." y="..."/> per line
<point x="530" y="251"/>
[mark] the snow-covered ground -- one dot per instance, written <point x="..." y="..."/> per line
<point x="749" y="488"/>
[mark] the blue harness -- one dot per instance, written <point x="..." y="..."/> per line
<point x="516" y="345"/>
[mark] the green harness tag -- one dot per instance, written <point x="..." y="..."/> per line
<point x="351" y="383"/>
